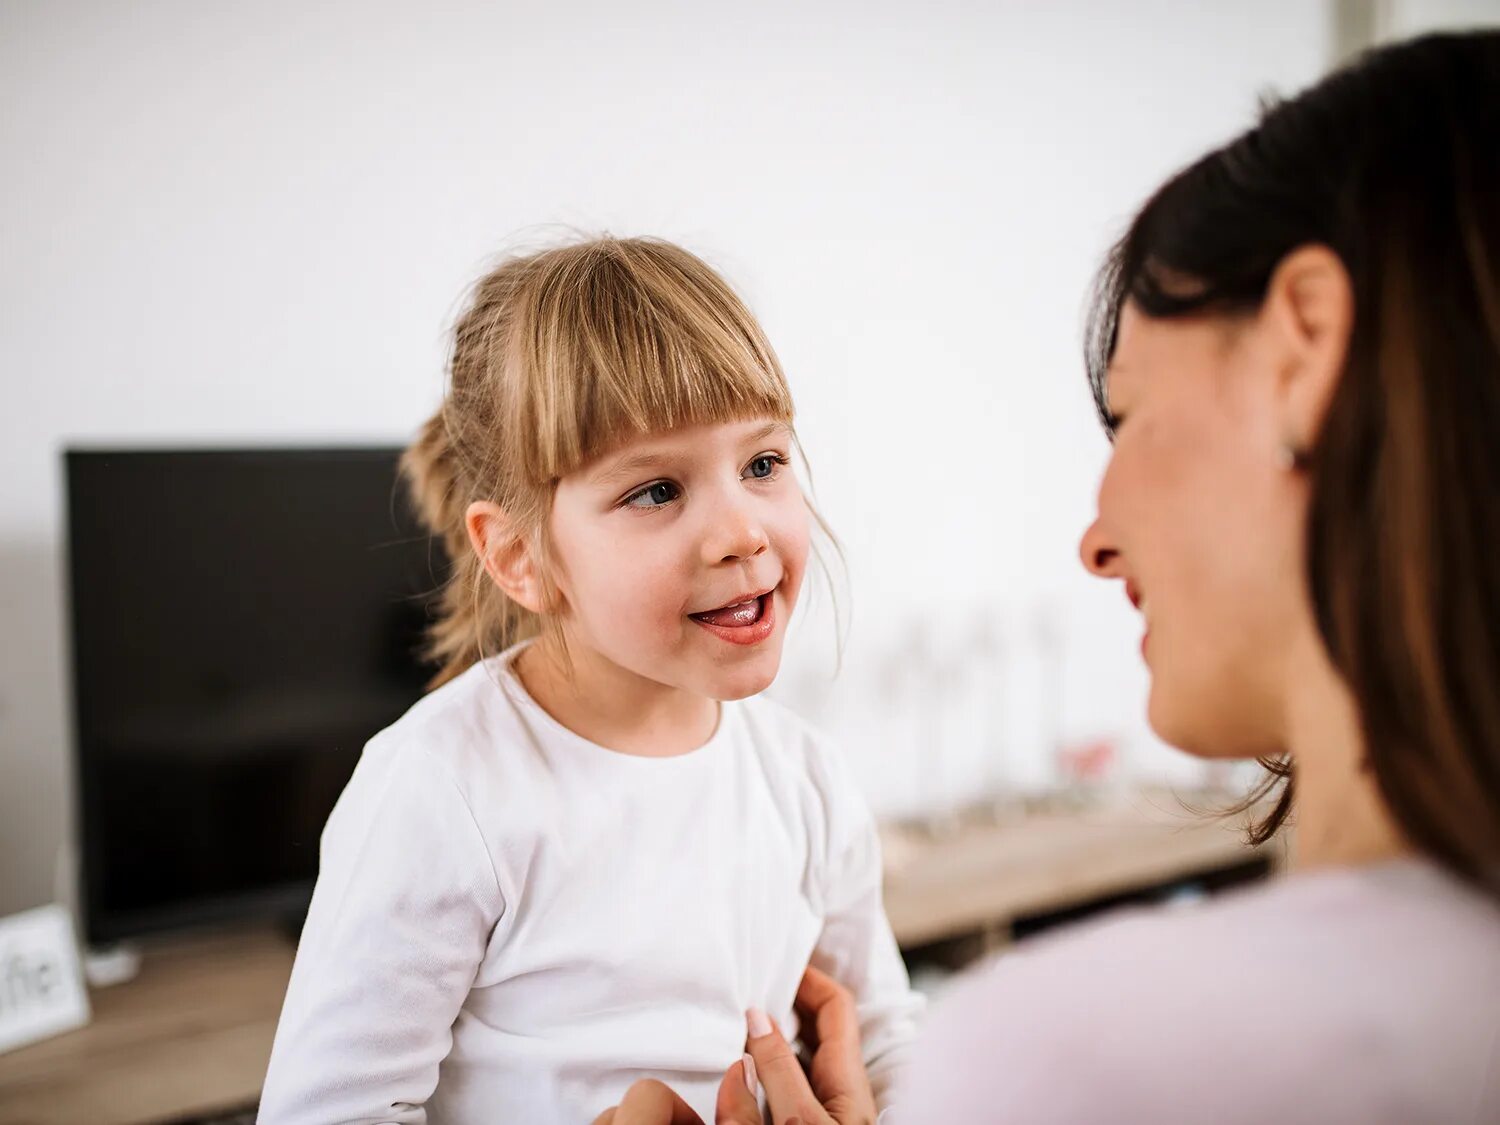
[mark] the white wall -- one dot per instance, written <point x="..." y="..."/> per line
<point x="251" y="222"/>
<point x="1359" y="24"/>
<point x="1399" y="19"/>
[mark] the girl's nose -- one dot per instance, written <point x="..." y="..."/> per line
<point x="735" y="534"/>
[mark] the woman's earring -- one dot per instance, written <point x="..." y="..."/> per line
<point x="1289" y="457"/>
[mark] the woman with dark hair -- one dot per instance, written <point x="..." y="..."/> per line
<point x="1296" y="352"/>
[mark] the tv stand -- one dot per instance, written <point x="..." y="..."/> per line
<point x="189" y="1037"/>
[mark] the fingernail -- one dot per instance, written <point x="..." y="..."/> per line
<point x="752" y="1080"/>
<point x="758" y="1022"/>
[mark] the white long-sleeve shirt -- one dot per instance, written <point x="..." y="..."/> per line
<point x="512" y="924"/>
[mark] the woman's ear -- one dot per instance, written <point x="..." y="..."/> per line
<point x="1309" y="308"/>
<point x="504" y="552"/>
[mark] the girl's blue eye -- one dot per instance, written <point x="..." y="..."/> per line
<point x="765" y="465"/>
<point x="653" y="495"/>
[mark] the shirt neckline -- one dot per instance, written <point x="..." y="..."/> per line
<point x="502" y="668"/>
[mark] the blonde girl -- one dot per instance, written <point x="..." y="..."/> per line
<point x="592" y="849"/>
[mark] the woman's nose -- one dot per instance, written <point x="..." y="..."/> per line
<point x="1100" y="556"/>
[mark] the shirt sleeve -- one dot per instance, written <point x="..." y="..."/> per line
<point x="856" y="946"/>
<point x="403" y="909"/>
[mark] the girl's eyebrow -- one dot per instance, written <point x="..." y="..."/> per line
<point x="630" y="465"/>
<point x="767" y="430"/>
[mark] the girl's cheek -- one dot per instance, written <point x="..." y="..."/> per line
<point x="794" y="564"/>
<point x="796" y="538"/>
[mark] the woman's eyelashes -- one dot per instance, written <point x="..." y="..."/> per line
<point x="658" y="494"/>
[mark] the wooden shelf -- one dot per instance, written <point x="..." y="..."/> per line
<point x="987" y="875"/>
<point x="190" y="1035"/>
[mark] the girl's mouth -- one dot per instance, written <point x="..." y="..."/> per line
<point x="745" y="622"/>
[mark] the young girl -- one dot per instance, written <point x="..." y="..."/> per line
<point x="583" y="857"/>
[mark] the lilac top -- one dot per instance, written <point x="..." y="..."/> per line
<point x="1352" y="995"/>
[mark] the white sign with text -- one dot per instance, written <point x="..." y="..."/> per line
<point x="41" y="987"/>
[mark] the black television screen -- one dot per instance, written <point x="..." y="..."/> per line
<point x="243" y="621"/>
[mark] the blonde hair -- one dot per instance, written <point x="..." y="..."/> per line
<point x="558" y="356"/>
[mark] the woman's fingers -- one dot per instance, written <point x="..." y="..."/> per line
<point x="649" y="1102"/>
<point x="839" y="1093"/>
<point x="787" y="1090"/>
<point x="828" y="1011"/>
<point x="739" y="1096"/>
<point x="837" y="1068"/>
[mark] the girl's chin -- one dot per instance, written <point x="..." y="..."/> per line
<point x="729" y="684"/>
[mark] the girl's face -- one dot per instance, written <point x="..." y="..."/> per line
<point x="1205" y="527"/>
<point x="681" y="555"/>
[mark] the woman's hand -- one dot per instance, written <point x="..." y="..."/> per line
<point x="650" y="1102"/>
<point x="836" y="1091"/>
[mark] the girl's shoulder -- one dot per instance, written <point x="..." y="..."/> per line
<point x="812" y="775"/>
<point x="772" y="722"/>
<point x="787" y="743"/>
<point x="457" y="714"/>
<point x="469" y="733"/>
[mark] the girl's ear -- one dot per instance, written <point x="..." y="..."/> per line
<point x="504" y="552"/>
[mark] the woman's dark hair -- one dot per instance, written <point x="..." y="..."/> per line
<point x="1393" y="163"/>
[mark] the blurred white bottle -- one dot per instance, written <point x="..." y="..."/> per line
<point x="989" y="689"/>
<point x="1032" y="720"/>
<point x="954" y="730"/>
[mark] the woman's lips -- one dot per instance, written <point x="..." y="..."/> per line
<point x="746" y="623"/>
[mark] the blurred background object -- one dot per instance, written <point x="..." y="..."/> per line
<point x="221" y="701"/>
<point x="247" y="227"/>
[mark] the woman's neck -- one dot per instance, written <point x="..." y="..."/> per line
<point x="613" y="707"/>
<point x="1341" y="818"/>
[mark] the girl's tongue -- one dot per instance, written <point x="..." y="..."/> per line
<point x="733" y="616"/>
